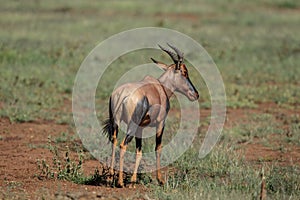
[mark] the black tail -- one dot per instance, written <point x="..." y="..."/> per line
<point x="108" y="125"/>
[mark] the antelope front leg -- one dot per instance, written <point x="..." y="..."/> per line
<point x="159" y="133"/>
<point x="138" y="143"/>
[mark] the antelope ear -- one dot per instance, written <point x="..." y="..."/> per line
<point x="160" y="64"/>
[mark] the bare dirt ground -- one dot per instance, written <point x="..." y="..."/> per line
<point x="22" y="144"/>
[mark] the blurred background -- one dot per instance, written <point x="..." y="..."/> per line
<point x="255" y="45"/>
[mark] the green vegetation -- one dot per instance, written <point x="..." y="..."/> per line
<point x="257" y="126"/>
<point x="255" y="45"/>
<point x="62" y="167"/>
<point x="67" y="164"/>
<point x="225" y="175"/>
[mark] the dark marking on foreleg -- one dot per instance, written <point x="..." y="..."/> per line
<point x="158" y="147"/>
<point x="133" y="127"/>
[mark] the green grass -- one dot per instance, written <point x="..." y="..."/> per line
<point x="292" y="133"/>
<point x="225" y="174"/>
<point x="255" y="45"/>
<point x="256" y="126"/>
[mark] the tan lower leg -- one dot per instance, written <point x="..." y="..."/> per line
<point x="111" y="168"/>
<point x="137" y="163"/>
<point x="158" y="173"/>
<point x="122" y="153"/>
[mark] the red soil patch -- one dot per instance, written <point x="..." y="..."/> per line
<point x="276" y="149"/>
<point x="21" y="145"/>
<point x="257" y="154"/>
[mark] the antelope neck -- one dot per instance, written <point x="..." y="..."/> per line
<point x="167" y="85"/>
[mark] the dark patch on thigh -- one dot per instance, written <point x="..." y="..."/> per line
<point x="137" y="118"/>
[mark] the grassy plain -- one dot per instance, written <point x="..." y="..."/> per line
<point x="255" y="44"/>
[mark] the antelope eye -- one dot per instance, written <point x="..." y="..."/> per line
<point x="184" y="73"/>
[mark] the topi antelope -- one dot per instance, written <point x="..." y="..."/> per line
<point x="136" y="105"/>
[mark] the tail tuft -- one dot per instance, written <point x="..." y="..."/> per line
<point x="108" y="129"/>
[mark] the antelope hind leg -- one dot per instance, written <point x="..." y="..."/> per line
<point x="110" y="176"/>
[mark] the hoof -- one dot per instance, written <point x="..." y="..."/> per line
<point x="131" y="185"/>
<point x="120" y="185"/>
<point x="109" y="184"/>
<point x="109" y="180"/>
<point x="161" y="182"/>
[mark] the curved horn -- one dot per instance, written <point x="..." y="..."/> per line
<point x="179" y="53"/>
<point x="171" y="54"/>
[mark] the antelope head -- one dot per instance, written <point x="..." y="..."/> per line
<point x="176" y="77"/>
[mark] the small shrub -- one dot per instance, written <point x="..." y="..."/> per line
<point x="62" y="167"/>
